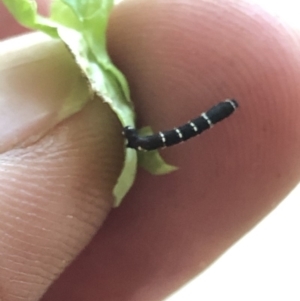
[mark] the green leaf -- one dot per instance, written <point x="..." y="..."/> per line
<point x="25" y="12"/>
<point x="81" y="25"/>
<point x="152" y="161"/>
<point x="64" y="15"/>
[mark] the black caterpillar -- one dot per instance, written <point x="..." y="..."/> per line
<point x="184" y="132"/>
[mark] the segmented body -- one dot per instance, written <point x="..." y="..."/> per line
<point x="182" y="133"/>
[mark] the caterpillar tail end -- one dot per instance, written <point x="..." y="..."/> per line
<point x="233" y="102"/>
<point x="131" y="136"/>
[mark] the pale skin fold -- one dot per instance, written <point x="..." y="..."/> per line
<point x="179" y="57"/>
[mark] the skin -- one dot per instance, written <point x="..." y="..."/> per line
<point x="180" y="57"/>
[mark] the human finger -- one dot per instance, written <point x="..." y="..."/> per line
<point x="181" y="57"/>
<point x="56" y="175"/>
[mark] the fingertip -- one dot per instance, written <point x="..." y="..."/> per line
<point x="55" y="194"/>
<point x="180" y="58"/>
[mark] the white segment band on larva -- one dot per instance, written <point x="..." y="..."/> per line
<point x="207" y="119"/>
<point x="232" y="103"/>
<point x="163" y="138"/>
<point x="192" y="124"/>
<point x="178" y="133"/>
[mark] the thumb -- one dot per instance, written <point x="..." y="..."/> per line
<point x="56" y="176"/>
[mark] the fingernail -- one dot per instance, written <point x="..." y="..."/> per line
<point x="40" y="85"/>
